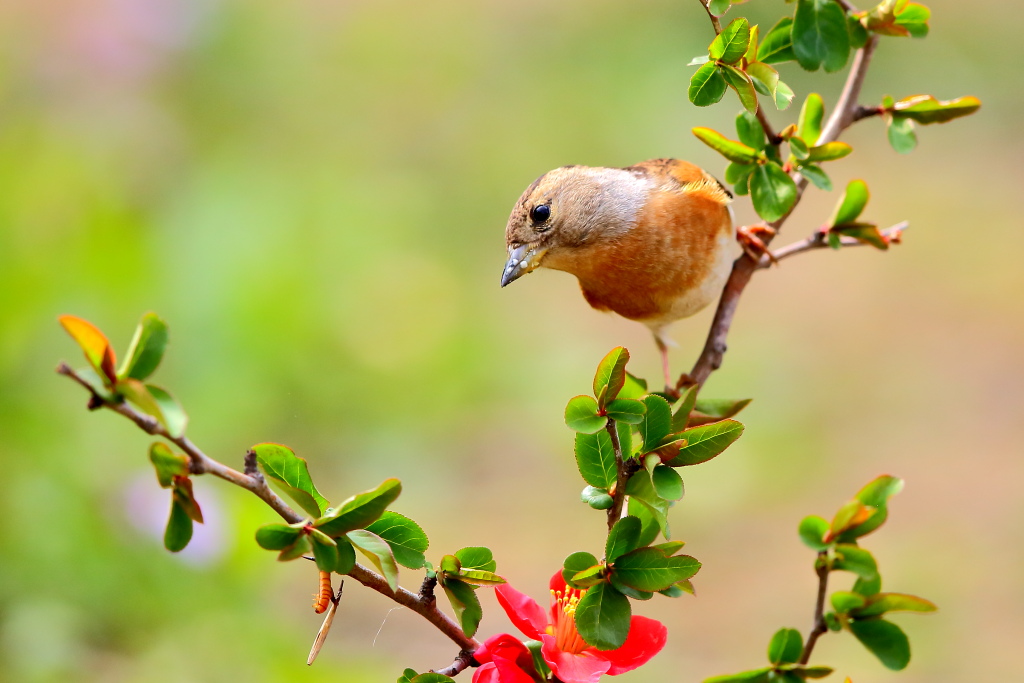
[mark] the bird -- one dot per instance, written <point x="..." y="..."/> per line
<point x="653" y="242"/>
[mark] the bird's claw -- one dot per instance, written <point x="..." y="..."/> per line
<point x="750" y="238"/>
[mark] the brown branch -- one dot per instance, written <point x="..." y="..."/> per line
<point x="621" y="476"/>
<point x="706" y="4"/>
<point x="253" y="481"/>
<point x="463" y="661"/>
<point x="847" y="6"/>
<point x="773" y="137"/>
<point x="820" y="627"/>
<point x="818" y="241"/>
<point x="743" y="268"/>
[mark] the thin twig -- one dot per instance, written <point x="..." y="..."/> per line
<point x="773" y="137"/>
<point x="706" y="4"/>
<point x="203" y="464"/>
<point x="820" y="627"/>
<point x="743" y="268"/>
<point x="818" y="241"/>
<point x="621" y="476"/>
<point x="463" y="661"/>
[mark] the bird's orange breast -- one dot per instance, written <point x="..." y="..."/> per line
<point x="672" y="252"/>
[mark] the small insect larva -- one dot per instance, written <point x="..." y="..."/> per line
<point x="323" y="598"/>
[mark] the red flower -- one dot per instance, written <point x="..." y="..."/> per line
<point x="565" y="651"/>
<point x="503" y="659"/>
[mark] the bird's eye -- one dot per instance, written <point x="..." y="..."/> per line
<point x="540" y="213"/>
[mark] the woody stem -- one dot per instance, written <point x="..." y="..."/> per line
<point x="253" y="481"/>
<point x="843" y="115"/>
<point x="621" y="476"/>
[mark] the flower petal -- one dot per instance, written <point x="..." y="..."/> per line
<point x="646" y="638"/>
<point x="523" y="610"/>
<point x="585" y="667"/>
<point x="486" y="673"/>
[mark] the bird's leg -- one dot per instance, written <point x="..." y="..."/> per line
<point x="749" y="237"/>
<point x="663" y="347"/>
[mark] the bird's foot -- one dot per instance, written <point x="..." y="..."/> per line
<point x="750" y="238"/>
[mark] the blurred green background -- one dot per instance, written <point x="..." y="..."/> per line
<point x="314" y="193"/>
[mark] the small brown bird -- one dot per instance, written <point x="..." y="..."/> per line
<point x="652" y="242"/>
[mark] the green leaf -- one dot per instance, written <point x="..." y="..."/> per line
<point x="179" y="527"/>
<point x="656" y="423"/>
<point x="858" y="34"/>
<point x="739" y="81"/>
<point x="346" y="555"/>
<point x="290" y="472"/>
<point x="706" y="442"/>
<point x="683" y="409"/>
<point x="883" y="639"/>
<point x="855" y="198"/>
<point x="325" y="551"/>
<point x="634" y="387"/>
<point x="650" y="569"/>
<point x="278" y="536"/>
<point x="168" y="464"/>
<point x="752" y="676"/>
<point x="855" y="559"/>
<point x="750" y="131"/>
<point x="611" y="375"/>
<point x="811" y="116"/>
<point x="777" y="45"/>
<point x="407" y="539"/>
<point x="172" y="415"/>
<point x="798" y="147"/>
<point x="730" y="45"/>
<point x="707" y="85"/>
<point x="581" y="415"/>
<point x="785" y="647"/>
<point x="736" y="173"/>
<point x="597" y="498"/>
<point x="820" y="36"/>
<point x="914" y="19"/>
<point x="764" y="78"/>
<point x="430" y="677"/>
<point x="360" y="510"/>
<point x="817" y="176"/>
<point x="721" y="408"/>
<point x="450" y="564"/>
<point x="465" y="603"/>
<point x="732" y="150"/>
<point x="772" y="191"/>
<point x="641" y="489"/>
<point x="627" y="410"/>
<point x="623" y="538"/>
<point x="852" y="514"/>
<point x="926" y="109"/>
<point x="588" y="577"/>
<point x="595" y="458"/>
<point x="575" y="563"/>
<point x="649" y="527"/>
<point x="182" y="494"/>
<point x="783" y="96"/>
<point x="830" y="151"/>
<point x="902" y="137"/>
<point x="97" y="347"/>
<point x="378" y="552"/>
<point x="812" y="532"/>
<point x="478" y="577"/>
<point x="667" y="482"/>
<point x="868" y="587"/>
<point x="844" y="601"/>
<point x="719" y="7"/>
<point x="146" y="349"/>
<point x="476" y="557"/>
<point x="602" y="617"/>
<point x="882" y="603"/>
<point x="868" y="233"/>
<point x="879" y="490"/>
<point x="302" y="546"/>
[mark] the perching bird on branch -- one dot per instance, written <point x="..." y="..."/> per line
<point x="652" y="242"/>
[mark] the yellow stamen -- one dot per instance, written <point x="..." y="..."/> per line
<point x="567" y="638"/>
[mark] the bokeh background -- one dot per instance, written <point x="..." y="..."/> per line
<point x="313" y="194"/>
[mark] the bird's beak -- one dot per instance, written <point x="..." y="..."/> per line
<point x="521" y="260"/>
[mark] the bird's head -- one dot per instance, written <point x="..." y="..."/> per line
<point x="565" y="209"/>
